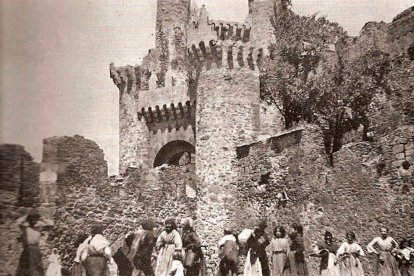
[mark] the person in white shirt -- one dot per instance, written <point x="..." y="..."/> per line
<point x="177" y="268"/>
<point x="98" y="253"/>
<point x="384" y="247"/>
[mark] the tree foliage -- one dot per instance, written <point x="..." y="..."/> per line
<point x="313" y="75"/>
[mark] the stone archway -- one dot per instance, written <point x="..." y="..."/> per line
<point x="172" y="152"/>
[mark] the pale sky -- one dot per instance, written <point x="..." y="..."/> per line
<point x="55" y="57"/>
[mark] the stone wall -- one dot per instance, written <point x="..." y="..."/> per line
<point x="352" y="195"/>
<point x="227" y="107"/>
<point x="19" y="178"/>
<point x="84" y="194"/>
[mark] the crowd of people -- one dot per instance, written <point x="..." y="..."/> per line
<point x="180" y="253"/>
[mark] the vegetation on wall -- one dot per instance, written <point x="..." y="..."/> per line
<point x="314" y="75"/>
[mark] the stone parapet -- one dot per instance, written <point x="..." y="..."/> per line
<point x="230" y="56"/>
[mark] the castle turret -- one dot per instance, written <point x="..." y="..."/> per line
<point x="227" y="116"/>
<point x="171" y="38"/>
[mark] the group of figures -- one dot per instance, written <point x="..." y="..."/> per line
<point x="180" y="253"/>
<point x="171" y="253"/>
<point x="337" y="259"/>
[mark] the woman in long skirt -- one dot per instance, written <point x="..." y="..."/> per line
<point x="256" y="244"/>
<point x="349" y="254"/>
<point x="54" y="268"/>
<point x="279" y="247"/>
<point x="385" y="249"/>
<point x="326" y="250"/>
<point x="167" y="243"/>
<point x="297" y="264"/>
<point x="30" y="263"/>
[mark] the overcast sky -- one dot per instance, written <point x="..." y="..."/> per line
<point x="55" y="57"/>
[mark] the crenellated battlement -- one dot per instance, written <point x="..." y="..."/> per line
<point x="230" y="56"/>
<point x="167" y="113"/>
<point x="126" y="78"/>
<point x="168" y="117"/>
<point x="234" y="31"/>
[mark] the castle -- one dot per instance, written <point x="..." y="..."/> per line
<point x="197" y="141"/>
<point x="197" y="93"/>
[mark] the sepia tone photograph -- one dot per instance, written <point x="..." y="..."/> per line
<point x="207" y="138"/>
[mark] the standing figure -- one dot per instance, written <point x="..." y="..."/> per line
<point x="141" y="249"/>
<point x="279" y="247"/>
<point x="30" y="263"/>
<point x="228" y="254"/>
<point x="327" y="250"/>
<point x="297" y="264"/>
<point x="256" y="260"/>
<point x="253" y="267"/>
<point x="98" y="253"/>
<point x="81" y="244"/>
<point x="177" y="268"/>
<point x="193" y="260"/>
<point x="54" y="268"/>
<point x="168" y="242"/>
<point x="385" y="249"/>
<point x="348" y="255"/>
<point x="256" y="244"/>
<point x="405" y="258"/>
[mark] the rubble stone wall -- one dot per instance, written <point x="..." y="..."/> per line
<point x="84" y="195"/>
<point x="19" y="190"/>
<point x="352" y="195"/>
<point x="227" y="106"/>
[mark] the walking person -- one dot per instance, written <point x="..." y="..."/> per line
<point x="349" y="254"/>
<point x="326" y="250"/>
<point x="279" y="247"/>
<point x="297" y="264"/>
<point x="30" y="263"/>
<point x="385" y="247"/>
<point x="168" y="242"/>
<point x="98" y="253"/>
<point x="193" y="258"/>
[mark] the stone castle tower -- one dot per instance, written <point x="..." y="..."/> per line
<point x="197" y="92"/>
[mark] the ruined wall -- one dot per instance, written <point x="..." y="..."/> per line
<point x="19" y="178"/>
<point x="350" y="196"/>
<point x="84" y="195"/>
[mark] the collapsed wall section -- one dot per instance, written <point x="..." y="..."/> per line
<point x="80" y="194"/>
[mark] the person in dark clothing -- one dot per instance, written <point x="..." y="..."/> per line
<point x="326" y="250"/>
<point x="257" y="244"/>
<point x="297" y="264"/>
<point x="141" y="249"/>
<point x="30" y="263"/>
<point x="228" y="254"/>
<point x="193" y="259"/>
